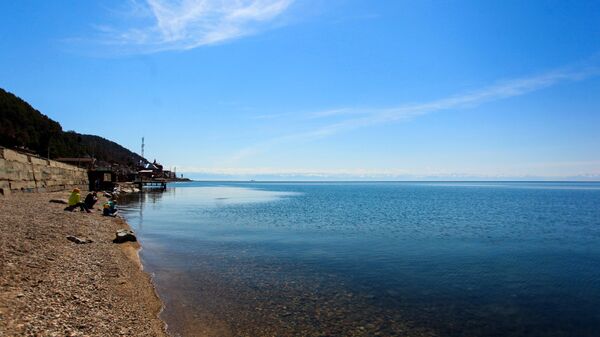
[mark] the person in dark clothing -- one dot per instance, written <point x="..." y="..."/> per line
<point x="90" y="200"/>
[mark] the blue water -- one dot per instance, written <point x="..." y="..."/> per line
<point x="366" y="259"/>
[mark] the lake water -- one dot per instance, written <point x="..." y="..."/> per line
<point x="369" y="259"/>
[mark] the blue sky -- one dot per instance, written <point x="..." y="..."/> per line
<point x="284" y="89"/>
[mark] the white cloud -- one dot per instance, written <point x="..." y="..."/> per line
<point x="187" y="24"/>
<point x="348" y="120"/>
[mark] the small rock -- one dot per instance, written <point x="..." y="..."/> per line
<point x="124" y="235"/>
<point x="78" y="240"/>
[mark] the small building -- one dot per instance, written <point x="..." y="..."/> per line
<point x="156" y="167"/>
<point x="102" y="179"/>
<point x="146" y="174"/>
<point x="169" y="174"/>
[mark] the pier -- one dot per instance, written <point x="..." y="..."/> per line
<point x="151" y="183"/>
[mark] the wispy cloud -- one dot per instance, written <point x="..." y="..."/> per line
<point x="188" y="24"/>
<point x="349" y="118"/>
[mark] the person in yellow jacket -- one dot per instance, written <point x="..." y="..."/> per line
<point x="75" y="201"/>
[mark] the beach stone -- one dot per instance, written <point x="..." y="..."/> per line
<point x="124" y="235"/>
<point x="58" y="201"/>
<point x="77" y="240"/>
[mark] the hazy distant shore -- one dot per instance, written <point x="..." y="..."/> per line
<point x="54" y="287"/>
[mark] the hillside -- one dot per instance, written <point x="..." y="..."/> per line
<point x="22" y="126"/>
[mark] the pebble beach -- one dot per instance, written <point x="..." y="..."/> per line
<point x="51" y="286"/>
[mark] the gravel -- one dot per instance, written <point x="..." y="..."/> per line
<point x="51" y="286"/>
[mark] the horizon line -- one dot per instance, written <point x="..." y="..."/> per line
<point x="388" y="181"/>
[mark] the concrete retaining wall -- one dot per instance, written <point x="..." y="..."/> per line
<point x="21" y="172"/>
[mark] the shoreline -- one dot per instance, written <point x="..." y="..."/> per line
<point x="52" y="286"/>
<point x="132" y="251"/>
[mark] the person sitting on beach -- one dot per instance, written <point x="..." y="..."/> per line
<point x="110" y="208"/>
<point x="75" y="201"/>
<point x="90" y="200"/>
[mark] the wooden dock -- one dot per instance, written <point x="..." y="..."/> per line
<point x="151" y="183"/>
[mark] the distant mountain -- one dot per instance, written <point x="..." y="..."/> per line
<point x="22" y="126"/>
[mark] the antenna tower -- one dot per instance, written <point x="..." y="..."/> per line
<point x="143" y="147"/>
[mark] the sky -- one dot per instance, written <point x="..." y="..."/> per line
<point x="320" y="90"/>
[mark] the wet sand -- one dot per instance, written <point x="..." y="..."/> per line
<point x="50" y="286"/>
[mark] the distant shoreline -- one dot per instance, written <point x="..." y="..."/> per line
<point x="389" y="181"/>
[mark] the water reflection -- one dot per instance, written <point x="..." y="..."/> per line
<point x="134" y="203"/>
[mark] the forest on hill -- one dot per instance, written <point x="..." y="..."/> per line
<point x="23" y="127"/>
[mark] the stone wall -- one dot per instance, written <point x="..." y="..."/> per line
<point x="22" y="172"/>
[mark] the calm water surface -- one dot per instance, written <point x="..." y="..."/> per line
<point x="368" y="259"/>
